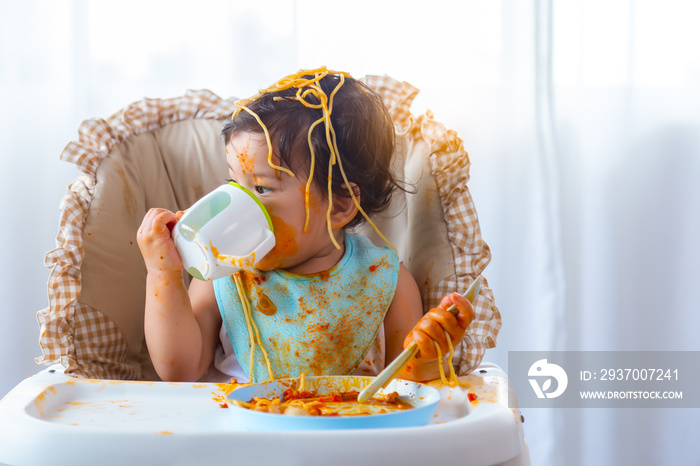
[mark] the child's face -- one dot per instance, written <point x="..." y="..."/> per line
<point x="283" y="197"/>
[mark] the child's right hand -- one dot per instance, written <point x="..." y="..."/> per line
<point x="156" y="243"/>
<point x="439" y="324"/>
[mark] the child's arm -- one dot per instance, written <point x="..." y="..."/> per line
<point x="405" y="323"/>
<point x="181" y="329"/>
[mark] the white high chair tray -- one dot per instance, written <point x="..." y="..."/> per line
<point x="52" y="418"/>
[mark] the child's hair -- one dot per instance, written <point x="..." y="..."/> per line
<point x="360" y="134"/>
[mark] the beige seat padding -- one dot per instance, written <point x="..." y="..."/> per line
<point x="186" y="160"/>
<point x="415" y="222"/>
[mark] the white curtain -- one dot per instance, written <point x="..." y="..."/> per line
<point x="582" y="120"/>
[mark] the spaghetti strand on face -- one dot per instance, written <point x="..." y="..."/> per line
<point x="267" y="138"/>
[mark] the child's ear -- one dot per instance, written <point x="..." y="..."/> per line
<point x="344" y="208"/>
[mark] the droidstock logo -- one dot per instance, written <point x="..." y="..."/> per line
<point x="547" y="371"/>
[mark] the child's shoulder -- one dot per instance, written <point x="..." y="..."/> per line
<point x="360" y="248"/>
<point x="361" y="242"/>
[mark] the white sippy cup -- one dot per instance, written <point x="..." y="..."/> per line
<point x="223" y="232"/>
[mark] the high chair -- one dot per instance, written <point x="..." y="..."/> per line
<point x="101" y="398"/>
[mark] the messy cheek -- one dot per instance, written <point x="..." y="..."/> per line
<point x="315" y="203"/>
<point x="285" y="244"/>
<point x="316" y="207"/>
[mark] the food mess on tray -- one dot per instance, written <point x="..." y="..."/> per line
<point x="310" y="403"/>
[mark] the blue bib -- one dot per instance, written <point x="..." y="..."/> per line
<point x="318" y="324"/>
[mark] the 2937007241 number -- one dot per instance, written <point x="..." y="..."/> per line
<point x="639" y="374"/>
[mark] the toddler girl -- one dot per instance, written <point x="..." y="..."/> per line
<point x="316" y="149"/>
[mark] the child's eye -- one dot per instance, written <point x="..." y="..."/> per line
<point x="261" y="189"/>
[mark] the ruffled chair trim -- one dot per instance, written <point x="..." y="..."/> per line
<point x="81" y="338"/>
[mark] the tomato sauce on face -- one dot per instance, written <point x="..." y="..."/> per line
<point x="247" y="163"/>
<point x="285" y="244"/>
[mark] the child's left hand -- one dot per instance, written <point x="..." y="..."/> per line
<point x="433" y="325"/>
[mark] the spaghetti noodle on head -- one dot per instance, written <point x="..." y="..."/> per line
<point x="329" y="129"/>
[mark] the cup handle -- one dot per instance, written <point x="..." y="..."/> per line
<point x="265" y="246"/>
